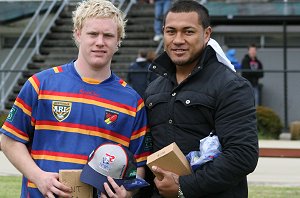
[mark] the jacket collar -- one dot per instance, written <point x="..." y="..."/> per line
<point x="164" y="66"/>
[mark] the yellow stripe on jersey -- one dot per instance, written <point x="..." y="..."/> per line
<point x="31" y="185"/>
<point x="140" y="106"/>
<point x="82" y="131"/>
<point x="140" y="159"/>
<point x="88" y="101"/>
<point x="34" y="85"/>
<point x="21" y="106"/>
<point x="124" y="84"/>
<point x="136" y="136"/>
<point x="91" y="81"/>
<point x="56" y="69"/>
<point x="58" y="158"/>
<point x="6" y="128"/>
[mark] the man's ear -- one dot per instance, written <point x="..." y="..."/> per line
<point x="77" y="35"/>
<point x="207" y="33"/>
<point x="117" y="48"/>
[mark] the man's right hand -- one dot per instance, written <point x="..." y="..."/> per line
<point x="167" y="184"/>
<point x="49" y="186"/>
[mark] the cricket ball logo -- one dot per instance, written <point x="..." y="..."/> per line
<point x="110" y="117"/>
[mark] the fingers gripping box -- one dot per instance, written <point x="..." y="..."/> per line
<point x="71" y="179"/>
<point x="170" y="158"/>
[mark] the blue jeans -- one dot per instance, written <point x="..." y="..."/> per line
<point x="161" y="8"/>
<point x="256" y="95"/>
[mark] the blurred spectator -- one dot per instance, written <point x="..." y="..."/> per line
<point x="255" y="71"/>
<point x="231" y="56"/>
<point x="143" y="1"/>
<point x="160" y="9"/>
<point x="139" y="76"/>
<point x="151" y="55"/>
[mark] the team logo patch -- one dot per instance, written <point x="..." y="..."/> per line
<point x="110" y="117"/>
<point x="107" y="160"/>
<point x="12" y="114"/>
<point x="132" y="173"/>
<point x="61" y="109"/>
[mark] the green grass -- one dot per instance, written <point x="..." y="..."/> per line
<point x="273" y="192"/>
<point x="10" y="187"/>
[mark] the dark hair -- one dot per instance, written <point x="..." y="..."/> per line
<point x="191" y="6"/>
<point x="252" y="45"/>
<point x="143" y="53"/>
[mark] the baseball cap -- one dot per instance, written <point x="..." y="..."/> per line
<point x="112" y="160"/>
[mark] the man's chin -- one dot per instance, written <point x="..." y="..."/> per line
<point x="179" y="60"/>
<point x="97" y="64"/>
<point x="180" y="63"/>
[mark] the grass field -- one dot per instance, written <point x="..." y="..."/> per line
<point x="10" y="188"/>
<point x="273" y="192"/>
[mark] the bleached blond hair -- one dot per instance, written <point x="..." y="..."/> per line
<point x="98" y="9"/>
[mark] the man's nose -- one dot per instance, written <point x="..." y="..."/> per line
<point x="179" y="38"/>
<point x="100" y="40"/>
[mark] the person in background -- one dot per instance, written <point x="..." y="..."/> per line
<point x="160" y="9"/>
<point x="139" y="75"/>
<point x="230" y="54"/>
<point x="254" y="71"/>
<point x="63" y="113"/>
<point x="151" y="55"/>
<point x="199" y="92"/>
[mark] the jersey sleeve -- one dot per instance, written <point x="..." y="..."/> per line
<point x="141" y="140"/>
<point x="20" y="121"/>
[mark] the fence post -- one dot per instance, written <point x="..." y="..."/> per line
<point x="2" y="92"/>
<point x="285" y="80"/>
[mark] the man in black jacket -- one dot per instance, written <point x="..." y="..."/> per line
<point x="197" y="91"/>
<point x="255" y="70"/>
<point x="139" y="76"/>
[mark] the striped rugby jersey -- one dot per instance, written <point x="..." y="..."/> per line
<point x="62" y="118"/>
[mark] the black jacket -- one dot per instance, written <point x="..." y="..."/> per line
<point x="255" y="68"/>
<point x="139" y="76"/>
<point x="212" y="97"/>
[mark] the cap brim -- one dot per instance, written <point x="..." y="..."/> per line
<point x="134" y="183"/>
<point x="95" y="179"/>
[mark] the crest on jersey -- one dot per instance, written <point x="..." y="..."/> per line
<point x="110" y="117"/>
<point x="12" y="114"/>
<point x="61" y="109"/>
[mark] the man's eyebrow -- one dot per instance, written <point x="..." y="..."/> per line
<point x="169" y="27"/>
<point x="187" y="27"/>
<point x="110" y="33"/>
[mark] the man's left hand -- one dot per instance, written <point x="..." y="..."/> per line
<point x="117" y="191"/>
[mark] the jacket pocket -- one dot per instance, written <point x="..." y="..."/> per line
<point x="195" y="108"/>
<point x="194" y="99"/>
<point x="158" y="108"/>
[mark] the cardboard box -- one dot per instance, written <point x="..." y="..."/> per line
<point x="71" y="178"/>
<point x="170" y="158"/>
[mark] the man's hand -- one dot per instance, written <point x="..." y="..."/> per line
<point x="49" y="186"/>
<point x="168" y="184"/>
<point x="120" y="191"/>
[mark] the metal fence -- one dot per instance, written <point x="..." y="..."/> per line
<point x="289" y="90"/>
<point x="12" y="67"/>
